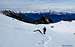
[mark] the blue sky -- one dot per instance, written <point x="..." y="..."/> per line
<point x="37" y="4"/>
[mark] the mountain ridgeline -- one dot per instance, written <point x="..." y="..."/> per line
<point x="40" y="17"/>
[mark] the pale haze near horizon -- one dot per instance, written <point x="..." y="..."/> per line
<point x="37" y="4"/>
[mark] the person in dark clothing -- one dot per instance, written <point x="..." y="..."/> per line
<point x="44" y="30"/>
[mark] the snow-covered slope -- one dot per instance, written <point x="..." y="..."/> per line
<point x="14" y="33"/>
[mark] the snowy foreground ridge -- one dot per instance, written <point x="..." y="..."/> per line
<point x="14" y="33"/>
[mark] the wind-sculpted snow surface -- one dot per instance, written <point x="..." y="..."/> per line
<point x="14" y="33"/>
<point x="44" y="41"/>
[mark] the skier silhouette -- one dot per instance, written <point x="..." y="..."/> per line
<point x="44" y="30"/>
